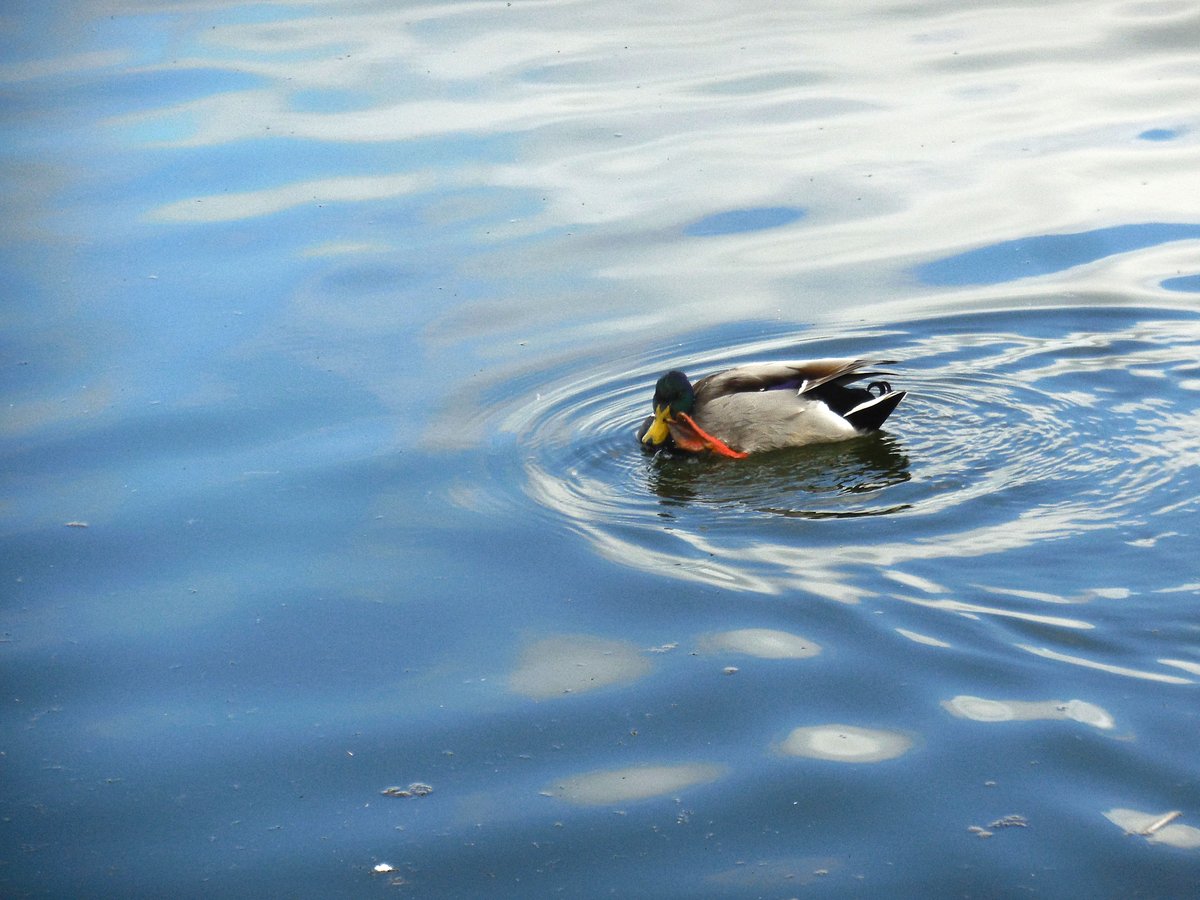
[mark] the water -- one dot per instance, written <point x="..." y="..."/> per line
<point x="326" y="330"/>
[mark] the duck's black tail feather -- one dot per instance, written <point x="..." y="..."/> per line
<point x="871" y="414"/>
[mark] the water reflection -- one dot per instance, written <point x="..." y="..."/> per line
<point x="846" y="743"/>
<point x="765" y="643"/>
<point x="773" y="877"/>
<point x="1189" y="284"/>
<point x="634" y="783"/>
<point x="1185" y="664"/>
<point x="1111" y="668"/>
<point x="790" y="482"/>
<point x="230" y="207"/>
<point x="458" y="233"/>
<point x="574" y="664"/>
<point x="1157" y="828"/>
<point x="1022" y="432"/>
<point x="980" y="709"/>
<point x="918" y="638"/>
<point x="977" y="609"/>
<point x="1160" y="134"/>
<point x="736" y="221"/>
<point x="1048" y="253"/>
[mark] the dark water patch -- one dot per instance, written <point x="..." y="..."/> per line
<point x="1160" y="134"/>
<point x="1049" y="253"/>
<point x="738" y="221"/>
<point x="1188" y="284"/>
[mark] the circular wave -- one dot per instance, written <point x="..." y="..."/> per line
<point x="1019" y="427"/>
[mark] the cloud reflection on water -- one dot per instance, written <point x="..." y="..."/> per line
<point x="765" y="643"/>
<point x="227" y="207"/>
<point x="616" y="786"/>
<point x="906" y="134"/>
<point x="1149" y="825"/>
<point x="981" y="709"/>
<point x="574" y="664"/>
<point x="846" y="743"/>
<point x="614" y="131"/>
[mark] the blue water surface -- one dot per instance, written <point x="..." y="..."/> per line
<point x="736" y="221"/>
<point x="331" y="565"/>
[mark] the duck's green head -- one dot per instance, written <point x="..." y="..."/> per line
<point x="672" y="395"/>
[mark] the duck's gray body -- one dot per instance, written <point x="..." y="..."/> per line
<point x="768" y="406"/>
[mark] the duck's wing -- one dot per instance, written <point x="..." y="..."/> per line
<point x="801" y="377"/>
<point x="872" y="413"/>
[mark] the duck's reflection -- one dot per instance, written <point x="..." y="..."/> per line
<point x="805" y="482"/>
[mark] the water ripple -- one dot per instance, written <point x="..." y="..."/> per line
<point x="1020" y="428"/>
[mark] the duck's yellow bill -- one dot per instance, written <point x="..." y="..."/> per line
<point x="658" y="432"/>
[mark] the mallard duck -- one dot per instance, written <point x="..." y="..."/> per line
<point x="766" y="406"/>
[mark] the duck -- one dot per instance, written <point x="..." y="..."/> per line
<point x="758" y="407"/>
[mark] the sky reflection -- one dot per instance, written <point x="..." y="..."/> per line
<point x="1049" y="253"/>
<point x="332" y="322"/>
<point x="738" y="221"/>
<point x="1047" y="653"/>
<point x="980" y="709"/>
<point x="846" y="743"/>
<point x="1157" y="828"/>
<point x="616" y="786"/>
<point x="765" y="643"/>
<point x="574" y="664"/>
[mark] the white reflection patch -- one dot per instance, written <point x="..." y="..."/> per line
<point x="846" y="743"/>
<point x="230" y="207"/>
<point x="346" y="248"/>
<point x="979" y="709"/>
<point x="574" y="663"/>
<point x="1047" y="653"/>
<point x="765" y="643"/>
<point x="918" y="638"/>
<point x="973" y="609"/>
<point x="914" y="581"/>
<point x="1186" y="665"/>
<point x="1154" y="828"/>
<point x="634" y="783"/>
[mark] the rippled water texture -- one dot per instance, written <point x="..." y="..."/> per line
<point x="1021" y="431"/>
<point x="331" y="566"/>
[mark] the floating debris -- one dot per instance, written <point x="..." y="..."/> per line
<point x="1157" y="828"/>
<point x="730" y="670"/>
<point x="1013" y="821"/>
<point x="1158" y="824"/>
<point x="75" y="524"/>
<point x="846" y="743"/>
<point x="769" y="877"/>
<point x="416" y="789"/>
<point x="383" y="869"/>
